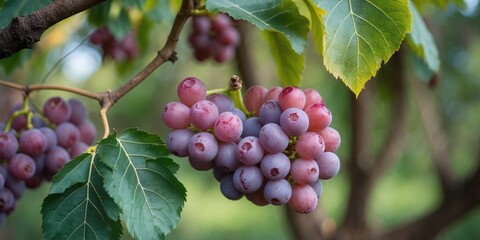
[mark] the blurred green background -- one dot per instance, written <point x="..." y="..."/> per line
<point x="407" y="190"/>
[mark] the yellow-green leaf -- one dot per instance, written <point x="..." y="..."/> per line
<point x="316" y="24"/>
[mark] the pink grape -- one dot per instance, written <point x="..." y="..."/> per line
<point x="254" y="98"/>
<point x="331" y="137"/>
<point x="312" y="96"/>
<point x="176" y="115"/>
<point x="304" y="199"/>
<point x="228" y="127"/>
<point x="203" y="114"/>
<point x="191" y="90"/>
<point x="319" y="115"/>
<point x="272" y="94"/>
<point x="304" y="171"/>
<point x="310" y="145"/>
<point x="292" y="97"/>
<point x="88" y="132"/>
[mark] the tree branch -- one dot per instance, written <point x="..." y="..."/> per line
<point x="24" y="31"/>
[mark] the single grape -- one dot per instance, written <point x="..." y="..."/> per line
<point x="218" y="173"/>
<point x="275" y="166"/>
<point x="16" y="186"/>
<point x="79" y="112"/>
<point x="129" y="45"/>
<point x="328" y="165"/>
<point x="304" y="199"/>
<point x="312" y="96"/>
<point x="33" y="142"/>
<point x="203" y="114"/>
<point x="294" y="121"/>
<point x="249" y="151"/>
<point x="248" y="179"/>
<point x="57" y="110"/>
<point x="8" y="145"/>
<point x="331" y="137"/>
<point x="78" y="148"/>
<point x="202" y="54"/>
<point x="225" y="159"/>
<point x="50" y="136"/>
<point x="277" y="192"/>
<point x="34" y="182"/>
<point x="176" y="115"/>
<point x="304" y="171"/>
<point x="223" y="53"/>
<point x="240" y="114"/>
<point x="317" y="186"/>
<point x="270" y="112"/>
<point x="228" y="189"/>
<point x="177" y="141"/>
<point x="200" y="41"/>
<point x="56" y="159"/>
<point x="272" y="94"/>
<point x="21" y="166"/>
<point x="191" y="90"/>
<point x="292" y="97"/>
<point x="201" y="24"/>
<point x="273" y="139"/>
<point x="200" y="165"/>
<point x="229" y="36"/>
<point x="38" y="123"/>
<point x="228" y="127"/>
<point x="7" y="199"/>
<point x="310" y="145"/>
<point x="19" y="123"/>
<point x="253" y="98"/>
<point x="202" y="147"/>
<point x="319" y="115"/>
<point x="67" y="134"/>
<point x="88" y="132"/>
<point x="252" y="127"/>
<point x="220" y="22"/>
<point x="222" y="101"/>
<point x="40" y="161"/>
<point x="257" y="198"/>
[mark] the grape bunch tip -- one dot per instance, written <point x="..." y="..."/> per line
<point x="279" y="155"/>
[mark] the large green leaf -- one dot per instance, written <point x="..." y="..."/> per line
<point x="360" y="35"/>
<point x="78" y="207"/>
<point x="15" y="8"/>
<point x="273" y="15"/>
<point x="421" y="41"/>
<point x="316" y="24"/>
<point x="141" y="181"/>
<point x="120" y="26"/>
<point x="289" y="64"/>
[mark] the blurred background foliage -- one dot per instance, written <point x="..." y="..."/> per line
<point x="408" y="190"/>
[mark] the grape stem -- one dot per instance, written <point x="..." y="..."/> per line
<point x="109" y="98"/>
<point x="234" y="91"/>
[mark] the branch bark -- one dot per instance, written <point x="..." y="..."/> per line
<point x="24" y="31"/>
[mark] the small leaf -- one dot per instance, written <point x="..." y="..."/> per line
<point x="421" y="41"/>
<point x="133" y="3"/>
<point x="290" y="65"/>
<point x="15" y="8"/>
<point x="142" y="183"/>
<point x="159" y="11"/>
<point x="120" y="26"/>
<point x="78" y="206"/>
<point x="99" y="14"/>
<point x="316" y="24"/>
<point x="273" y="15"/>
<point x="360" y="35"/>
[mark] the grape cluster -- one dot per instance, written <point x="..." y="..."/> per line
<point x="278" y="155"/>
<point x="31" y="153"/>
<point x="214" y="36"/>
<point x="118" y="50"/>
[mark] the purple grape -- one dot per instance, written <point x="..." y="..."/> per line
<point x="277" y="192"/>
<point x="228" y="189"/>
<point x="177" y="141"/>
<point x="2" y="126"/>
<point x="257" y="198"/>
<point x="223" y="53"/>
<point x="304" y="199"/>
<point x="202" y="54"/>
<point x="328" y="165"/>
<point x="19" y="123"/>
<point x="220" y="22"/>
<point x="79" y="112"/>
<point x="56" y="159"/>
<point x="7" y="200"/>
<point x="248" y="179"/>
<point x="200" y="165"/>
<point x="16" y="186"/>
<point x="251" y="127"/>
<point x="57" y="110"/>
<point x="78" y="148"/>
<point x="273" y="139"/>
<point x="38" y="123"/>
<point x="8" y="145"/>
<point x="270" y="112"/>
<point x="225" y="159"/>
<point x="21" y="166"/>
<point x="317" y="186"/>
<point x="240" y="114"/>
<point x="218" y="173"/>
<point x="222" y="101"/>
<point x="275" y="166"/>
<point x="228" y="127"/>
<point x="201" y="24"/>
<point x="229" y="36"/>
<point x="67" y="134"/>
<point x="176" y="115"/>
<point x="2" y="181"/>
<point x="304" y="171"/>
<point x="33" y="142"/>
<point x="202" y="147"/>
<point x="40" y="162"/>
<point x="203" y="114"/>
<point x="34" y="182"/>
<point x="88" y="132"/>
<point x="294" y="121"/>
<point x="191" y="90"/>
<point x="249" y="151"/>
<point x="50" y="136"/>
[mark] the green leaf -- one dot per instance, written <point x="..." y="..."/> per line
<point x="289" y="64"/>
<point x="273" y="15"/>
<point x="133" y="3"/>
<point x="442" y="4"/>
<point x="360" y="35"/>
<point x="99" y="14"/>
<point x="78" y="207"/>
<point x="159" y="11"/>
<point x="120" y="26"/>
<point x="421" y="41"/>
<point x="15" y="8"/>
<point x="141" y="181"/>
<point x="316" y="24"/>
